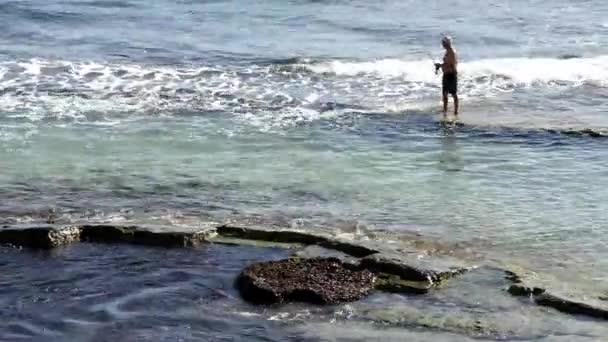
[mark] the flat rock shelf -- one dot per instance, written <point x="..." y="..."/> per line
<point x="328" y="270"/>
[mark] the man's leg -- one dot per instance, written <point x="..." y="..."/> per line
<point x="445" y="103"/>
<point x="455" y="96"/>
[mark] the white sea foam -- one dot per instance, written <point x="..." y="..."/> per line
<point x="267" y="96"/>
<point x="526" y="71"/>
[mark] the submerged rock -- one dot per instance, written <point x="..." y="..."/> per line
<point x="571" y="306"/>
<point x="569" y="56"/>
<point x="584" y="132"/>
<point x="394" y="284"/>
<point x="524" y="290"/>
<point x="582" y="304"/>
<point x="313" y="251"/>
<point x="317" y="281"/>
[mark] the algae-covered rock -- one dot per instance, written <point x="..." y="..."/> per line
<point x="39" y="236"/>
<point x="317" y="281"/>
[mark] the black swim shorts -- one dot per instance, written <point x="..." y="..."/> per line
<point x="450" y="83"/>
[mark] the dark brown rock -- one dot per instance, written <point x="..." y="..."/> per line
<point x="523" y="290"/>
<point x="512" y="276"/>
<point x="570" y="306"/>
<point x="142" y="236"/>
<point x="40" y="236"/>
<point x="585" y="132"/>
<point x="592" y="133"/>
<point x="352" y="249"/>
<point x="317" y="281"/>
<point x="107" y="233"/>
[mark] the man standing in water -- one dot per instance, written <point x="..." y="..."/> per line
<point x="449" y="67"/>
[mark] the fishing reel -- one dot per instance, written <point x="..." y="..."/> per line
<point x="437" y="67"/>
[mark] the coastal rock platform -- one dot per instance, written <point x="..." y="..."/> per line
<point x="325" y="269"/>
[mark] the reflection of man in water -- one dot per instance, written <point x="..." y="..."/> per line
<point x="450" y="158"/>
<point x="449" y="67"/>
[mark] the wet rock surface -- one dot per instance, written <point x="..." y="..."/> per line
<point x="316" y="281"/>
<point x="151" y="236"/>
<point x="293" y="236"/>
<point x="52" y="236"/>
<point x="394" y="284"/>
<point x="430" y="270"/>
<point x="312" y="252"/>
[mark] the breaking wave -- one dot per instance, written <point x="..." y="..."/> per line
<point x="291" y="90"/>
<point x="519" y="71"/>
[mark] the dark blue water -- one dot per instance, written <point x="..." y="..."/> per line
<point x="219" y="31"/>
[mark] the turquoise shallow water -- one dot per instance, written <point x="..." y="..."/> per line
<point x="532" y="194"/>
<point x="315" y="114"/>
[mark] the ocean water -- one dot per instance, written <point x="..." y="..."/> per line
<point x="315" y="114"/>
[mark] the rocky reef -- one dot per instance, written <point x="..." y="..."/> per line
<point x="317" y="281"/>
<point x="325" y="269"/>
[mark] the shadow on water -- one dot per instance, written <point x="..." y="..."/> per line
<point x="416" y="125"/>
